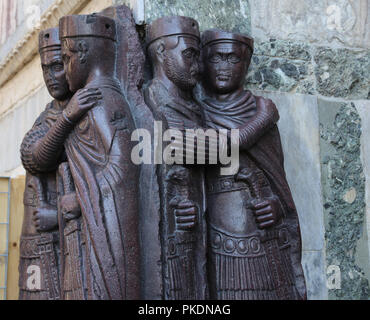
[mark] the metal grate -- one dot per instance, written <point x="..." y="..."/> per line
<point x="4" y="234"/>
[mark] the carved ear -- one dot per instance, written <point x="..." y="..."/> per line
<point x="83" y="49"/>
<point x="160" y="51"/>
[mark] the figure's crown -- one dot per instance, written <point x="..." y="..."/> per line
<point x="172" y="26"/>
<point x="92" y="25"/>
<point x="49" y="40"/>
<point x="212" y="36"/>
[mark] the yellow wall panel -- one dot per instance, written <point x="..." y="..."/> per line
<point x="4" y="185"/>
<point x="2" y="271"/>
<point x="3" y="236"/>
<point x="2" y="294"/>
<point x="15" y="229"/>
<point x="3" y="207"/>
<point x="4" y="202"/>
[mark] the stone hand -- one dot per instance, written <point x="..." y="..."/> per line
<point x="70" y="207"/>
<point x="268" y="212"/>
<point x="200" y="148"/>
<point x="45" y="218"/>
<point x="186" y="215"/>
<point x="82" y="102"/>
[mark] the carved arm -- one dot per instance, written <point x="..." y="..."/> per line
<point x="266" y="117"/>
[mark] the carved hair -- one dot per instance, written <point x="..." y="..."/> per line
<point x="82" y="46"/>
<point x="169" y="43"/>
<point x="76" y="45"/>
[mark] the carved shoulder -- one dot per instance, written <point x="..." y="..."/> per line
<point x="265" y="119"/>
<point x="155" y="95"/>
<point x="268" y="106"/>
<point x="156" y="101"/>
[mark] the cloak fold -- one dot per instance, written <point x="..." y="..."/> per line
<point x="107" y="203"/>
<point x="267" y="153"/>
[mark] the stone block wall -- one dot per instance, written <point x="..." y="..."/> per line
<point x="322" y="49"/>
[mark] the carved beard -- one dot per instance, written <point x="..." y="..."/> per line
<point x="182" y="79"/>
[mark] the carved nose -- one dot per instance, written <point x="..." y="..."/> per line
<point x="50" y="79"/>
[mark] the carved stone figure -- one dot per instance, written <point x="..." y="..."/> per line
<point x="99" y="154"/>
<point x="72" y="240"/>
<point x="253" y="229"/>
<point x="173" y="48"/>
<point x="130" y="71"/>
<point x="98" y="226"/>
<point x="40" y="238"/>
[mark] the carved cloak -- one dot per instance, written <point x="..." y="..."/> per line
<point x="99" y="155"/>
<point x="267" y="154"/>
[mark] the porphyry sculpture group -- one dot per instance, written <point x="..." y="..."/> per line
<point x="98" y="225"/>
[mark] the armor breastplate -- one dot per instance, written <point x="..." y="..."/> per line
<point x="246" y="263"/>
<point x="229" y="201"/>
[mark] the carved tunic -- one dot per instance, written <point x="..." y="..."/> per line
<point x="73" y="243"/>
<point x="39" y="250"/>
<point x="184" y="251"/>
<point x="247" y="263"/>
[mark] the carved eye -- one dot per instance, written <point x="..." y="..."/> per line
<point x="215" y="58"/>
<point x="188" y="53"/>
<point x="65" y="58"/>
<point x="58" y="67"/>
<point x="233" y="58"/>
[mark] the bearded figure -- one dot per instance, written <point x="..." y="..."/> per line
<point x="173" y="48"/>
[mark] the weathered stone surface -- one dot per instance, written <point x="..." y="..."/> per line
<point x="8" y="19"/>
<point x="343" y="73"/>
<point x="289" y="66"/>
<point x="288" y="49"/>
<point x="280" y="65"/>
<point x="342" y="171"/>
<point x="363" y="255"/>
<point x="326" y="22"/>
<point x="232" y="15"/>
<point x="299" y="130"/>
<point x="314" y="267"/>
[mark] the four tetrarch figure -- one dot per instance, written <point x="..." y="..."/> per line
<point x="97" y="226"/>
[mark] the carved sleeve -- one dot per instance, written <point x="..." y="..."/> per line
<point x="267" y="116"/>
<point x="42" y="147"/>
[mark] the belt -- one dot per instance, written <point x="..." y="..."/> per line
<point x="249" y="245"/>
<point x="32" y="246"/>
<point x="226" y="184"/>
